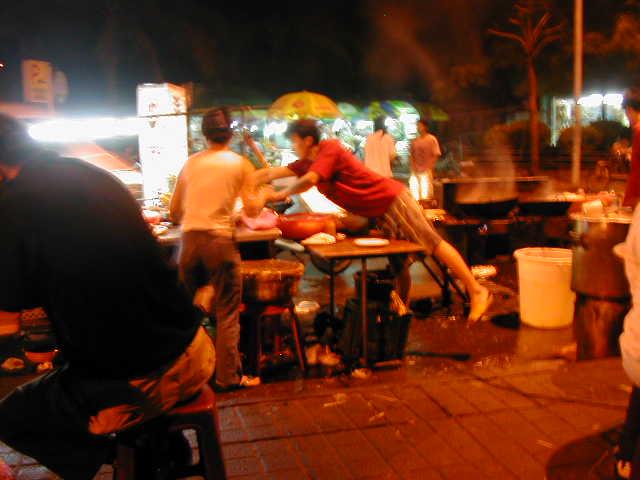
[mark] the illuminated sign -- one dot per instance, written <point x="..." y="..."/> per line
<point x="162" y="137"/>
<point x="37" y="81"/>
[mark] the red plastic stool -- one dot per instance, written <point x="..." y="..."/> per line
<point x="198" y="414"/>
<point x="257" y="315"/>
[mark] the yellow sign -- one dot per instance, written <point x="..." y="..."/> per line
<point x="37" y="81"/>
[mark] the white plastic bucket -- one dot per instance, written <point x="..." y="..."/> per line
<point x="544" y="280"/>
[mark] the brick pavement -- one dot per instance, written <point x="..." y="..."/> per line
<point x="502" y="426"/>
<point x="507" y="423"/>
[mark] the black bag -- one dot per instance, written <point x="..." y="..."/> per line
<point x="387" y="332"/>
<point x="380" y="283"/>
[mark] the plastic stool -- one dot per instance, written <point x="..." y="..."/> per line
<point x="198" y="414"/>
<point x="257" y="314"/>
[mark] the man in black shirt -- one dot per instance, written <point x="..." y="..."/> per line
<point x="74" y="242"/>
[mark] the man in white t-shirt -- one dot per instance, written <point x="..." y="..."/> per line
<point x="380" y="149"/>
<point x="425" y="152"/>
<point x="203" y="203"/>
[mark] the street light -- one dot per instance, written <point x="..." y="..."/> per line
<point x="577" y="92"/>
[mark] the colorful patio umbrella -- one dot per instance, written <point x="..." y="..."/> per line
<point x="395" y="108"/>
<point x="375" y="110"/>
<point x="348" y="109"/>
<point x="304" y="104"/>
<point x="432" y="112"/>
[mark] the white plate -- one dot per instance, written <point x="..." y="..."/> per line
<point x="371" y="242"/>
<point x="159" y="230"/>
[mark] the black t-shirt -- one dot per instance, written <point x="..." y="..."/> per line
<point x="73" y="240"/>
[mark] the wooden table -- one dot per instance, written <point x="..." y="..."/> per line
<point x="346" y="249"/>
<point x="243" y="235"/>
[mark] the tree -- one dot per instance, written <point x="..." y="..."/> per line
<point x="533" y="33"/>
<point x="617" y="52"/>
<point x="124" y="38"/>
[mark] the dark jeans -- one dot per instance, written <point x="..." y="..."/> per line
<point x="206" y="258"/>
<point x="631" y="427"/>
<point x="62" y="418"/>
<point x="48" y="418"/>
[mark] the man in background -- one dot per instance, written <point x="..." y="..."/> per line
<point x="425" y="152"/>
<point x="204" y="203"/>
<point x="380" y="149"/>
<point x="340" y="176"/>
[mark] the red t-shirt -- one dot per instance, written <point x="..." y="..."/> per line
<point x="347" y="182"/>
<point x="632" y="193"/>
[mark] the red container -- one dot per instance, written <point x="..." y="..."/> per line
<point x="41" y="357"/>
<point x="299" y="226"/>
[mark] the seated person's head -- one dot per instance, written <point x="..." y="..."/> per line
<point x="304" y="136"/>
<point x="15" y="142"/>
<point x="216" y="125"/>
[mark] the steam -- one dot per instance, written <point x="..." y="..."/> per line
<point x="422" y="40"/>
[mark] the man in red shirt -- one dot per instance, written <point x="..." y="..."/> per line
<point x="631" y="104"/>
<point x="342" y="178"/>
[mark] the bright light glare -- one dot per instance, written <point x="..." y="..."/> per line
<point x="338" y="125"/>
<point x="593" y="100"/>
<point x="275" y="128"/>
<point x="613" y="99"/>
<point x="364" y="124"/>
<point x="82" y="130"/>
<point x="318" y="203"/>
<point x="408" y="118"/>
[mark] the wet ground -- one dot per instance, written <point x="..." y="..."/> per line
<point x="487" y="401"/>
<point x="500" y="341"/>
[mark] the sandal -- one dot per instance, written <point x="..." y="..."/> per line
<point x="246" y="381"/>
<point x="622" y="469"/>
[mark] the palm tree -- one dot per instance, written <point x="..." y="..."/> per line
<point x="533" y="33"/>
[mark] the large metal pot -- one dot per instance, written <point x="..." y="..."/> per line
<point x="543" y="206"/>
<point x="487" y="206"/>
<point x="596" y="272"/>
<point x="299" y="226"/>
<point x="270" y="281"/>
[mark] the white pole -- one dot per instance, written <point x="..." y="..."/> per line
<point x="577" y="93"/>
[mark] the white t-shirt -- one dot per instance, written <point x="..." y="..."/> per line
<point x="630" y="338"/>
<point x="212" y="182"/>
<point x="425" y="152"/>
<point x="378" y="152"/>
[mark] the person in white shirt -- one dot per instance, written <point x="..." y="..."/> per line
<point x="380" y="149"/>
<point x="628" y="451"/>
<point x="203" y="203"/>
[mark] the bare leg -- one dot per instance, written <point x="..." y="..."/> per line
<point x="400" y="267"/>
<point x="478" y="295"/>
<point x="403" y="281"/>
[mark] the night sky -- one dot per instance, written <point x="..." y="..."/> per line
<point x="242" y="52"/>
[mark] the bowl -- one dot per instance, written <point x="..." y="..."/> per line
<point x="41" y="357"/>
<point x="299" y="226"/>
<point x="306" y="310"/>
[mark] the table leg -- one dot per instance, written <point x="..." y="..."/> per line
<point x="363" y="313"/>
